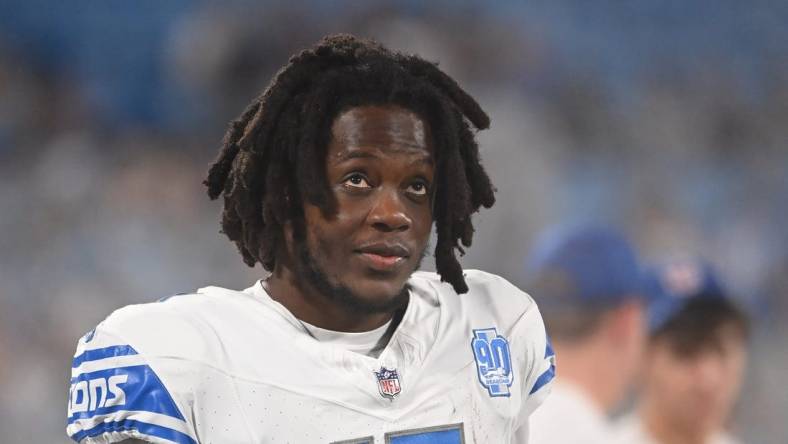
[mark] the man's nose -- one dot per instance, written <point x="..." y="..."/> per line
<point x="389" y="212"/>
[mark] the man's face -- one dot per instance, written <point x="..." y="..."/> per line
<point x="380" y="168"/>
<point x="696" y="391"/>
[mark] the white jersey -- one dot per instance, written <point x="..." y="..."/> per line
<point x="630" y="430"/>
<point x="223" y="366"/>
<point x="569" y="416"/>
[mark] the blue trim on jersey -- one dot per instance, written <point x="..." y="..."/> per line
<point x="103" y="353"/>
<point x="548" y="374"/>
<point x="142" y="427"/>
<point x="139" y="387"/>
<point x="543" y="379"/>
<point x="548" y="352"/>
<point x="438" y="437"/>
<point x="450" y="434"/>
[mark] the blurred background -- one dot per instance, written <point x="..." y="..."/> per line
<point x="666" y="118"/>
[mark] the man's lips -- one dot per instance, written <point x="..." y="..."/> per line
<point x="382" y="262"/>
<point x="384" y="256"/>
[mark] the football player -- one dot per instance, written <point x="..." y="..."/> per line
<point x="332" y="180"/>
<point x="694" y="361"/>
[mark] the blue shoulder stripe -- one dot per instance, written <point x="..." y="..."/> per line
<point x="548" y="374"/>
<point x="543" y="379"/>
<point x="548" y="352"/>
<point x="142" y="427"/>
<point x="103" y="353"/>
<point x="133" y="388"/>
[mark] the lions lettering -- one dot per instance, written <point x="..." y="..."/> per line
<point x="92" y="394"/>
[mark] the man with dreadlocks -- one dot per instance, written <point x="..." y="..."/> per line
<point x="332" y="180"/>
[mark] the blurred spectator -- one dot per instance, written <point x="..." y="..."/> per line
<point x="587" y="284"/>
<point x="694" y="363"/>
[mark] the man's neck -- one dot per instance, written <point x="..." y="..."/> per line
<point x="584" y="367"/>
<point x="311" y="306"/>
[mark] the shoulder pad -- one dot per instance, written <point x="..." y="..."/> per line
<point x="115" y="394"/>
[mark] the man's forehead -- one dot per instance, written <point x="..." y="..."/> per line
<point x="381" y="126"/>
<point x="414" y="153"/>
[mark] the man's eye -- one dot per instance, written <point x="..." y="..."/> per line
<point x="357" y="181"/>
<point x="418" y="188"/>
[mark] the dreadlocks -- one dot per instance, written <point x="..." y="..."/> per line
<point x="272" y="158"/>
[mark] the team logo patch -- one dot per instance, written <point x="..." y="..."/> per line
<point x="388" y="382"/>
<point x="493" y="361"/>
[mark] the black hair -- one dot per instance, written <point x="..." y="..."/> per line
<point x="701" y="324"/>
<point x="272" y="158"/>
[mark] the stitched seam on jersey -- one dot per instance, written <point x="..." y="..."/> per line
<point x="190" y="427"/>
<point x="398" y="331"/>
<point x="209" y="327"/>
<point x="437" y="324"/>
<point x="536" y="355"/>
<point x="529" y="300"/>
<point x="249" y="429"/>
<point x="517" y="322"/>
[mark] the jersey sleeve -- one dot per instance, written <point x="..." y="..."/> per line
<point x="541" y="372"/>
<point x="116" y="395"/>
<point x="517" y="312"/>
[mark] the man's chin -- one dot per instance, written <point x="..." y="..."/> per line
<point x="371" y="299"/>
<point x="360" y="294"/>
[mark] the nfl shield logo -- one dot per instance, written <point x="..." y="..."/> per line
<point x="388" y="383"/>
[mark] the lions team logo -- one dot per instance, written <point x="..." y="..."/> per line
<point x="493" y="361"/>
<point x="388" y="382"/>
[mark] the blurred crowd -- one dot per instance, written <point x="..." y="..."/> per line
<point x="668" y="121"/>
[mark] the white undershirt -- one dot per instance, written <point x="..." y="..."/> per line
<point x="368" y="343"/>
